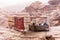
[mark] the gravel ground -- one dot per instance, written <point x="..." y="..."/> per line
<point x="10" y="34"/>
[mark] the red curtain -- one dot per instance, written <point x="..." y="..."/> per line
<point x="19" y="23"/>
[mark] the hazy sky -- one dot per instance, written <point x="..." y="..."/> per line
<point x="23" y="3"/>
<point x="4" y="3"/>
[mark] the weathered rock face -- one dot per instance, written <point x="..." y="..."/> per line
<point x="54" y="2"/>
<point x="37" y="9"/>
<point x="34" y="8"/>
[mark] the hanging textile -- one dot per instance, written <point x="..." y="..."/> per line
<point x="19" y="23"/>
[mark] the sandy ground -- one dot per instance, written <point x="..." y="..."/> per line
<point x="10" y="34"/>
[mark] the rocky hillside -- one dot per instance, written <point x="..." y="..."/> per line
<point x="52" y="12"/>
